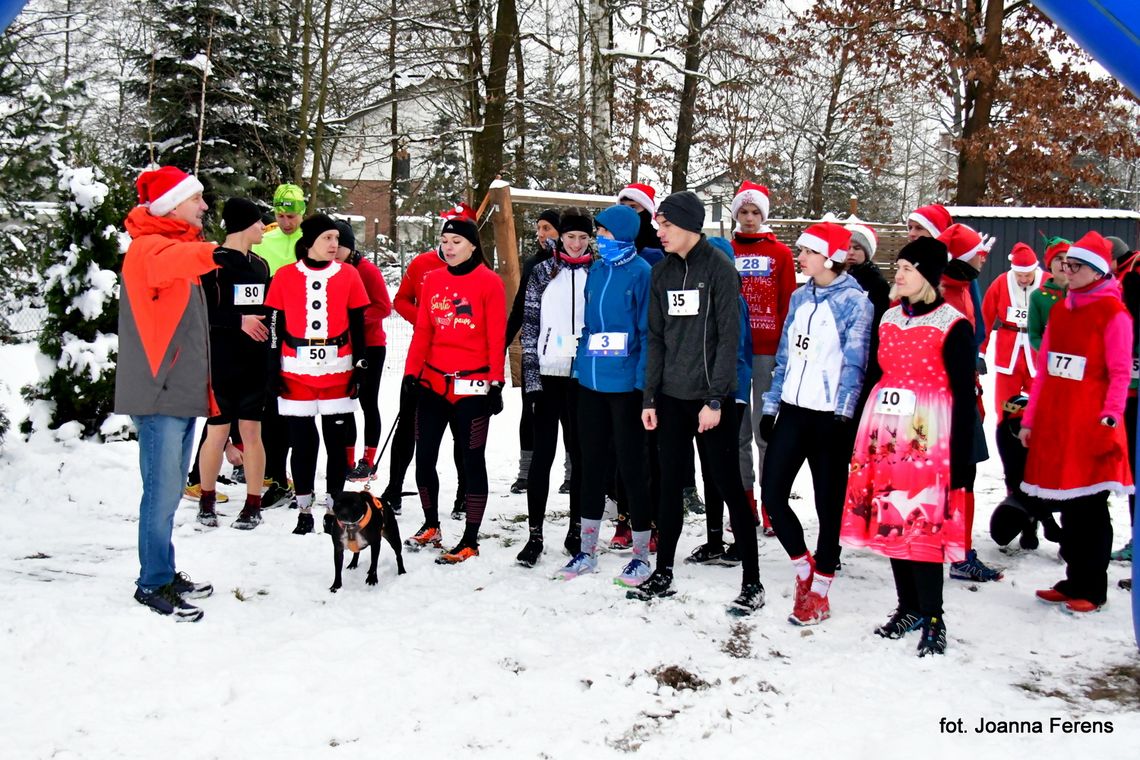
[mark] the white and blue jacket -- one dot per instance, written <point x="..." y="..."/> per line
<point x="822" y="357"/>
<point x="617" y="301"/>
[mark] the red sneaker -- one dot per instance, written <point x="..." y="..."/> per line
<point x="803" y="587"/>
<point x="769" y="531"/>
<point x="1081" y="606"/>
<point x="425" y="536"/>
<point x="815" y="610"/>
<point x="623" y="537"/>
<point x="1052" y="596"/>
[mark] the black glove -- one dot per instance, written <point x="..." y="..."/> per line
<point x="355" y="382"/>
<point x="842" y="422"/>
<point x="767" y="425"/>
<point x="495" y="399"/>
<point x="410" y="384"/>
<point x="980" y="365"/>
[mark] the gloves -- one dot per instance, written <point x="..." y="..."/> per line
<point x="495" y="399"/>
<point x="410" y="384"/>
<point x="767" y="425"/>
<point x="355" y="381"/>
<point x="980" y="365"/>
<point x="842" y="422"/>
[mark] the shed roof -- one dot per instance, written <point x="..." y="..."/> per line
<point x="1039" y="212"/>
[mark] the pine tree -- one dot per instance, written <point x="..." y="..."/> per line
<point x="78" y="340"/>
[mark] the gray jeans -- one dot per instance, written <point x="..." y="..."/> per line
<point x="763" y="366"/>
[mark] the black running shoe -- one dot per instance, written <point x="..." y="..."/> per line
<point x="238" y="475"/>
<point x="304" y="524"/>
<point x="900" y="624"/>
<point x="573" y="541"/>
<point x="731" y="557"/>
<point x="933" y="640"/>
<point x="166" y="601"/>
<point x="459" y="510"/>
<point x="706" y="554"/>
<point x="530" y="553"/>
<point x="188" y="589"/>
<point x="565" y="487"/>
<point x="519" y="486"/>
<point x="751" y="598"/>
<point x="657" y="586"/>
<point x="691" y="501"/>
<point x="207" y="516"/>
<point x="276" y="495"/>
<point x="1029" y="541"/>
<point x="361" y="472"/>
<point x="249" y="518"/>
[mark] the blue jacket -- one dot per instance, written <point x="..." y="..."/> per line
<point x="822" y="357"/>
<point x="617" y="301"/>
<point x="744" y="357"/>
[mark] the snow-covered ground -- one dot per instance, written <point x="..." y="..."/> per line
<point x="494" y="660"/>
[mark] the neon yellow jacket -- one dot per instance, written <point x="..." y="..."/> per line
<point x="277" y="248"/>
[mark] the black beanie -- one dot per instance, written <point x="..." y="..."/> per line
<point x="929" y="257"/>
<point x="576" y="219"/>
<point x="466" y="229"/>
<point x="684" y="210"/>
<point x="311" y="229"/>
<point x="551" y="217"/>
<point x="239" y="215"/>
<point x="347" y="237"/>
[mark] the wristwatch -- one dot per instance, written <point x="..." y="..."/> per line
<point x="714" y="404"/>
<point x="362" y="364"/>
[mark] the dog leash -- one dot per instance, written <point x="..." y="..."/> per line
<point x="380" y="454"/>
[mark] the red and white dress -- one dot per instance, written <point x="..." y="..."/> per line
<point x="1005" y="309"/>
<point x="316" y="351"/>
<point x="898" y="491"/>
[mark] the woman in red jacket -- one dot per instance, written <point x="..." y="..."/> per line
<point x="455" y="364"/>
<point x="1078" y="452"/>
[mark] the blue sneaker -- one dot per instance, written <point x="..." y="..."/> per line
<point x="166" y="601"/>
<point x="581" y="565"/>
<point x="633" y="574"/>
<point x="972" y="569"/>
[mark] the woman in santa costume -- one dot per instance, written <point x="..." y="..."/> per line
<point x="1005" y="310"/>
<point x="455" y="365"/>
<point x="319" y="334"/>
<point x="912" y="461"/>
<point x="1073" y="425"/>
<point x="767" y="277"/>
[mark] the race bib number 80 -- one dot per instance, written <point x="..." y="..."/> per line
<point x="895" y="401"/>
<point x="684" y="303"/>
<point x="250" y="294"/>
<point x="1068" y="366"/>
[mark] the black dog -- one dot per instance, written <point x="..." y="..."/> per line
<point x="360" y="519"/>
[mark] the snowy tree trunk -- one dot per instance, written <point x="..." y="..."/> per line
<point x="601" y="94"/>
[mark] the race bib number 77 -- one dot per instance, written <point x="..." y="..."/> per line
<point x="1068" y="366"/>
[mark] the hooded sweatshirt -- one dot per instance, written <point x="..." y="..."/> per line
<point x="617" y="304"/>
<point x="822" y="357"/>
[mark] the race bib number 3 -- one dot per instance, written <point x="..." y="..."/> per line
<point x="1018" y="315"/>
<point x="684" y="303"/>
<point x="1068" y="366"/>
<point x="754" y="266"/>
<point x="249" y="294"/>
<point x="471" y="387"/>
<point x="316" y="356"/>
<point x="895" y="401"/>
<point x="608" y="344"/>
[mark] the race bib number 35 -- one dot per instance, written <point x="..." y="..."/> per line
<point x="316" y="356"/>
<point x="754" y="266"/>
<point x="471" y="387"/>
<point x="249" y="294"/>
<point x="608" y="344"/>
<point x="1068" y="366"/>
<point x="684" y="303"/>
<point x="896" y="401"/>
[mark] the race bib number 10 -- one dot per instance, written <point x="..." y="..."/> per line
<point x="316" y="356"/>
<point x="1068" y="366"/>
<point x="684" y="303"/>
<point x="250" y="294"/>
<point x="895" y="401"/>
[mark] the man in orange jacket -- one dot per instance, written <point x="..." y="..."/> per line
<point x="162" y="379"/>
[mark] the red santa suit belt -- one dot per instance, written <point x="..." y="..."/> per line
<point x="338" y="341"/>
<point x="1013" y="327"/>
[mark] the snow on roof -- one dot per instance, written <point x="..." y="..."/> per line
<point x="550" y="198"/>
<point x="1039" y="212"/>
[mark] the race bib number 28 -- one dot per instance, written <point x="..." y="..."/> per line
<point x="684" y="303"/>
<point x="1068" y="366"/>
<point x="754" y="266"/>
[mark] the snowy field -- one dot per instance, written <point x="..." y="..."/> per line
<point x="491" y="659"/>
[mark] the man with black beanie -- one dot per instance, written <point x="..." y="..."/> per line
<point x="694" y="330"/>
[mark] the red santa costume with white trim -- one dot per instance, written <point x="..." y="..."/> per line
<point x="1005" y="310"/>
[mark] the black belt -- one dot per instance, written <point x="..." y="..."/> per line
<point x="458" y="373"/>
<point x="1013" y="328"/>
<point x="339" y="340"/>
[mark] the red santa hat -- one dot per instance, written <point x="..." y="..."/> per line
<point x="642" y="195"/>
<point x="963" y="243"/>
<point x="1022" y="258"/>
<point x="750" y="192"/>
<point x="864" y="236"/>
<point x="827" y="239"/>
<point x="162" y="189"/>
<point x="1094" y="250"/>
<point x="459" y="211"/>
<point x="933" y="218"/>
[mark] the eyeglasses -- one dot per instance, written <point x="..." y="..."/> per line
<point x="1072" y="266"/>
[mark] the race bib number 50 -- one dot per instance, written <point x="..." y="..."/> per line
<point x="316" y="356"/>
<point x="895" y="401"/>
<point x="684" y="303"/>
<point x="1068" y="366"/>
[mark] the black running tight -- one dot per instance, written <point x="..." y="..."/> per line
<point x="468" y="418"/>
<point x="918" y="585"/>
<point x="404" y="448"/>
<point x="554" y="405"/>
<point x="608" y="420"/>
<point x="305" y="443"/>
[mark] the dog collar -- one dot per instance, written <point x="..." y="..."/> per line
<point x="360" y="525"/>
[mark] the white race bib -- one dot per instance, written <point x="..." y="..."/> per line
<point x="754" y="266"/>
<point x="1068" y="366"/>
<point x="249" y="294"/>
<point x="471" y="387"/>
<point x="895" y="401"/>
<point x="801" y="346"/>
<point x="1136" y="369"/>
<point x="565" y="346"/>
<point x="608" y="344"/>
<point x="316" y="356"/>
<point x="1018" y="315"/>
<point x="684" y="303"/>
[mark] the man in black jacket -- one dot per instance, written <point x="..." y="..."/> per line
<point x="694" y="328"/>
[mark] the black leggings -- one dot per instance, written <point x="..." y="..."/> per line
<point x="1130" y="427"/>
<point x="918" y="585"/>
<point x="276" y="437"/>
<point x="404" y="448"/>
<point x="714" y="504"/>
<point x="605" y="420"/>
<point x="806" y="434"/>
<point x="1086" y="543"/>
<point x="468" y="418"/>
<point x="305" y="442"/>
<point x="556" y="404"/>
<point x="526" y="425"/>
<point x="369" y="400"/>
<point x="676" y="428"/>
